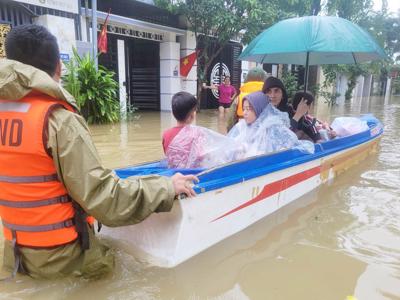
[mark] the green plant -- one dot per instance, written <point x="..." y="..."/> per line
<point x="290" y="82"/>
<point x="320" y="91"/>
<point x="330" y="97"/>
<point x="95" y="91"/>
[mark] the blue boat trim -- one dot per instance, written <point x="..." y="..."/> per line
<point x="250" y="168"/>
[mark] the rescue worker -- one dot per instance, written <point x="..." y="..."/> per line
<point x="253" y="83"/>
<point x="51" y="177"/>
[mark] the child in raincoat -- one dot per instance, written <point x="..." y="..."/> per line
<point x="189" y="146"/>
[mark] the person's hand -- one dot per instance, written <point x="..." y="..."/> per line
<point x="326" y="126"/>
<point x="301" y="110"/>
<point x="182" y="184"/>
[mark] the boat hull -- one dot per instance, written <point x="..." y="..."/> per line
<point x="195" y="224"/>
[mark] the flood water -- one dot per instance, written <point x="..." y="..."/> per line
<point x="342" y="239"/>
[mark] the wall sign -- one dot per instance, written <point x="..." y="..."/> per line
<point x="133" y="32"/>
<point x="64" y="5"/>
<point x="4" y="29"/>
<point x="64" y="57"/>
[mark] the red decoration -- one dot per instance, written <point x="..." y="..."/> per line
<point x="102" y="42"/>
<point x="187" y="63"/>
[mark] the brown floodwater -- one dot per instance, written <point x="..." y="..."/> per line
<point x="341" y="240"/>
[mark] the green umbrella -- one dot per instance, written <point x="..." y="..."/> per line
<point x="313" y="40"/>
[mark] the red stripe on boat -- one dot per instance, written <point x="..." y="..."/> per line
<point x="276" y="187"/>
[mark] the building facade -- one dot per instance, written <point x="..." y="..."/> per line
<point x="145" y="44"/>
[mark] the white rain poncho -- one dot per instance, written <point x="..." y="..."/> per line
<point x="345" y="126"/>
<point x="199" y="147"/>
<point x="270" y="132"/>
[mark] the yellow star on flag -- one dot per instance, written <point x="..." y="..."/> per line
<point x="186" y="61"/>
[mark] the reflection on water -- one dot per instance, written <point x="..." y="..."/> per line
<point x="139" y="139"/>
<point x="342" y="239"/>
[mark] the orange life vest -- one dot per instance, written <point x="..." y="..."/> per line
<point x="245" y="89"/>
<point x="35" y="207"/>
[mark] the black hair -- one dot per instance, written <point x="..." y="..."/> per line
<point x="300" y="95"/>
<point x="183" y="104"/>
<point x="33" y="45"/>
<point x="273" y="82"/>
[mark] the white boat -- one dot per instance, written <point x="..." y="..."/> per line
<point x="231" y="197"/>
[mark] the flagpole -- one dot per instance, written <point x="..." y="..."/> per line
<point x="94" y="32"/>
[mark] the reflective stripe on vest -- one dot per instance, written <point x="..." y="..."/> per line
<point x="39" y="228"/>
<point x="35" y="203"/>
<point x="14" y="106"/>
<point x="28" y="179"/>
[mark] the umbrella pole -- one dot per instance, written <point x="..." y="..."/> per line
<point x="306" y="72"/>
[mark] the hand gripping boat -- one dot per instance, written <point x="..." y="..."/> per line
<point x="233" y="196"/>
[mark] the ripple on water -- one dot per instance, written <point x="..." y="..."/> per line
<point x="386" y="178"/>
<point x="389" y="158"/>
<point x="373" y="236"/>
<point x="352" y="227"/>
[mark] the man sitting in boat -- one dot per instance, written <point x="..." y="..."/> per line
<point x="189" y="146"/>
<point x="264" y="128"/>
<point x="309" y="127"/>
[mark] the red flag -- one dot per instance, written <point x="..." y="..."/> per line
<point x="102" y="42"/>
<point x="187" y="63"/>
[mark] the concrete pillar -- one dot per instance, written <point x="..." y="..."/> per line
<point x="275" y="70"/>
<point x="367" y="86"/>
<point x="170" y="82"/>
<point x="341" y="88"/>
<point x="188" y="46"/>
<point x="63" y="29"/>
<point x="122" y="78"/>
<point x="85" y="30"/>
<point x="387" y="91"/>
<point x="245" y="70"/>
<point x="357" y="92"/>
